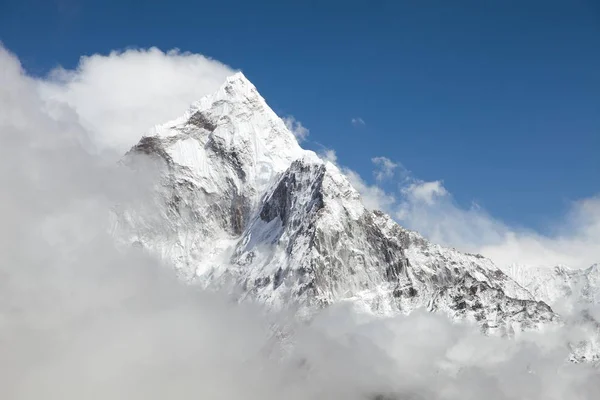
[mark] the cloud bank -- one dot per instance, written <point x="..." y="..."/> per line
<point x="428" y="208"/>
<point x="120" y="96"/>
<point x="81" y="318"/>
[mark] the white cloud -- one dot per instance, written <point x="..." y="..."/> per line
<point x="575" y="244"/>
<point x="428" y="208"/>
<point x="374" y="197"/>
<point x="385" y="168"/>
<point x="296" y="128"/>
<point x="329" y="155"/>
<point x="425" y="191"/>
<point x="357" y="121"/>
<point x="120" y="96"/>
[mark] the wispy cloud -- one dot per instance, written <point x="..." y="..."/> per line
<point x="427" y="192"/>
<point x="384" y="168"/>
<point x="374" y="197"/>
<point x="357" y="121"/>
<point x="429" y="208"/>
<point x="296" y="128"/>
<point x="329" y="155"/>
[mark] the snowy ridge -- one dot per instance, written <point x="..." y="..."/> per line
<point x="241" y="205"/>
<point x="559" y="283"/>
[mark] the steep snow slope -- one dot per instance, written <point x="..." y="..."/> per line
<point x="217" y="161"/>
<point x="240" y="204"/>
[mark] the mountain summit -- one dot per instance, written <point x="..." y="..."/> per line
<point x="240" y="205"/>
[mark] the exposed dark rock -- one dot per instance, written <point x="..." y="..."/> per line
<point x="280" y="202"/>
<point x="217" y="145"/>
<point x="278" y="277"/>
<point x="152" y="146"/>
<point x="262" y="282"/>
<point x="201" y="121"/>
<point x="239" y="212"/>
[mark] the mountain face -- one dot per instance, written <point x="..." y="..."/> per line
<point x="240" y="205"/>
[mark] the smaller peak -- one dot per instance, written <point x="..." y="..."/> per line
<point x="236" y="86"/>
<point x="239" y="80"/>
<point x="238" y="75"/>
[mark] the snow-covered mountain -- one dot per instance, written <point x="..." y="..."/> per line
<point x="558" y="285"/>
<point x="241" y="205"/>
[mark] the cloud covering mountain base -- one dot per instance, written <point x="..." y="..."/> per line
<point x="81" y="318"/>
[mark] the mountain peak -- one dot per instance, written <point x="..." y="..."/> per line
<point x="236" y="95"/>
<point x="237" y="85"/>
<point x="238" y="120"/>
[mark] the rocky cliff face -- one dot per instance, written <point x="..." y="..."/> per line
<point x="240" y="205"/>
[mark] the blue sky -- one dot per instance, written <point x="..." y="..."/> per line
<point x="499" y="99"/>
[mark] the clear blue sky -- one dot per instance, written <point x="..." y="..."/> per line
<point x="499" y="98"/>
